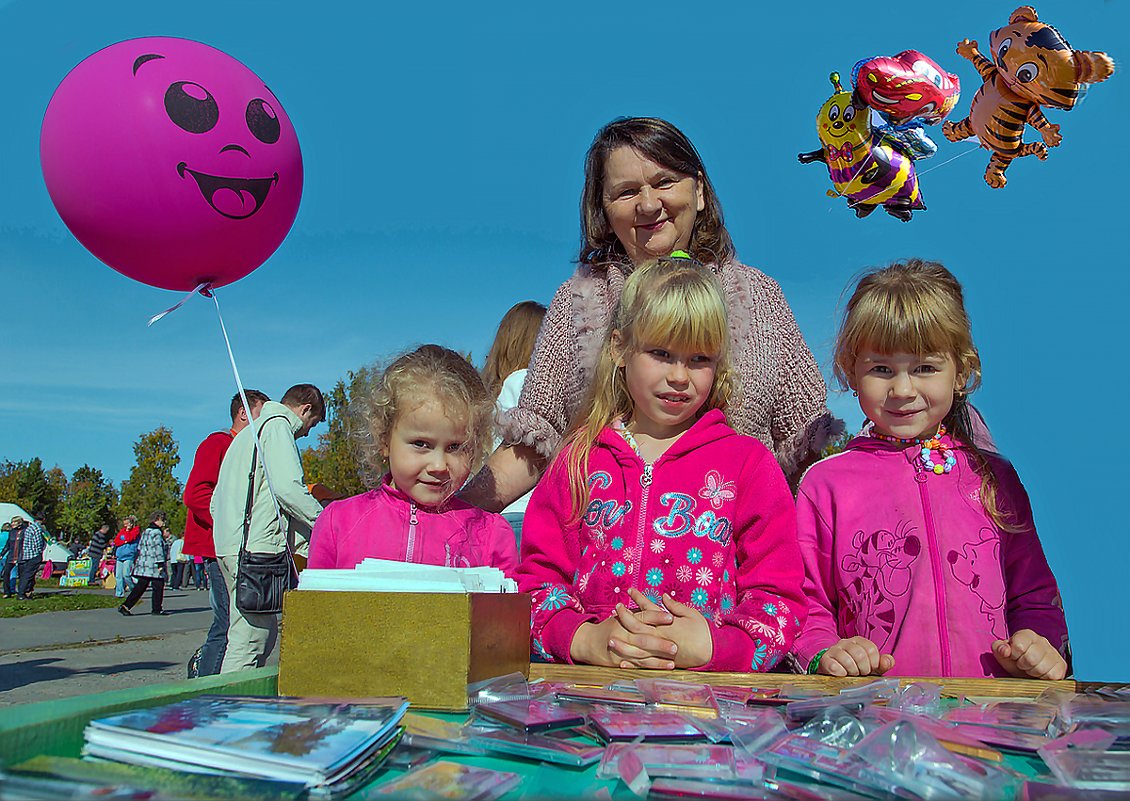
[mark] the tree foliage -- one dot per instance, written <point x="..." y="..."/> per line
<point x="89" y="503"/>
<point x="334" y="461"/>
<point x="151" y="485"/>
<point x="38" y="491"/>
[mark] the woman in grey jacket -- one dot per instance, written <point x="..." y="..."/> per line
<point x="149" y="568"/>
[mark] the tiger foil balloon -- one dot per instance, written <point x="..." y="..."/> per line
<point x="1032" y="65"/>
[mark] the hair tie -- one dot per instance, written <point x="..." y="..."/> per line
<point x="681" y="254"/>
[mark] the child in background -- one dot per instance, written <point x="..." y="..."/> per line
<point x="125" y="552"/>
<point x="659" y="537"/>
<point x="428" y="417"/>
<point x="920" y="552"/>
<point x="504" y="373"/>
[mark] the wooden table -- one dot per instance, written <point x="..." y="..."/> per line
<point x="977" y="688"/>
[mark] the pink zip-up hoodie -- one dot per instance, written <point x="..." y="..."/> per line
<point x="711" y="523"/>
<point x="384" y="523"/>
<point x="911" y="561"/>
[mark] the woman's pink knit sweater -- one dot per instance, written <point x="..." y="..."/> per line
<point x="781" y="398"/>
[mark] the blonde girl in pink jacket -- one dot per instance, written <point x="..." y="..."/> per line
<point x="428" y="421"/>
<point x="660" y="537"/>
<point x="921" y="556"/>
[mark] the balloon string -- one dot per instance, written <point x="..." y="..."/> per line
<point x="853" y="203"/>
<point x="966" y="152"/>
<point x="204" y="288"/>
<point x="250" y="421"/>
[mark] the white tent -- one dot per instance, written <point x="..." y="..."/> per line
<point x="54" y="553"/>
<point x="10" y="510"/>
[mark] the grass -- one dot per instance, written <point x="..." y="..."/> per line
<point x="66" y="600"/>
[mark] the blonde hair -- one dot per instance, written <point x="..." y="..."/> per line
<point x="513" y="344"/>
<point x="668" y="302"/>
<point x="918" y="306"/>
<point x="430" y="372"/>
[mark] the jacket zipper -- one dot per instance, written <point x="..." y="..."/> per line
<point x="412" y="521"/>
<point x="645" y="483"/>
<point x="936" y="569"/>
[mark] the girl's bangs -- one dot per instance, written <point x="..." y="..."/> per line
<point x="905" y="328"/>
<point x="684" y="320"/>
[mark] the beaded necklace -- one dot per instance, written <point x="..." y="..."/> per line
<point x="622" y="429"/>
<point x="929" y="446"/>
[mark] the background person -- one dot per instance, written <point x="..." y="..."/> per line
<point x="125" y="552"/>
<point x="29" y="556"/>
<point x="150" y="567"/>
<point x="504" y="373"/>
<point x="200" y="579"/>
<point x="252" y="636"/>
<point x="6" y="556"/>
<point x="98" y="541"/>
<point x="177" y="563"/>
<point x="198" y="530"/>
<point x="646" y="195"/>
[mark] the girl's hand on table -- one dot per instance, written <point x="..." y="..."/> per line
<point x="684" y="626"/>
<point x="854" y="656"/>
<point x="622" y="641"/>
<point x="1029" y="655"/>
<point x="647" y="644"/>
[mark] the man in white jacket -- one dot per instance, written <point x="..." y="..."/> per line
<point x="251" y="637"/>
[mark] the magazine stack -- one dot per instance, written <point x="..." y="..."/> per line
<point x="332" y="748"/>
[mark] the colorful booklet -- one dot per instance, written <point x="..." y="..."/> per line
<point x="617" y="725"/>
<point x="665" y="692"/>
<point x="692" y="761"/>
<point x="551" y="747"/>
<point x="531" y="715"/>
<point x="600" y="695"/>
<point x="447" y="780"/>
<point x="1016" y="715"/>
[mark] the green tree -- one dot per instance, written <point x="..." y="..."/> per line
<point x="334" y="461"/>
<point x="37" y="491"/>
<point x="151" y="485"/>
<point x="89" y="503"/>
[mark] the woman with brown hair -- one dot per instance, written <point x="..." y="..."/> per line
<point x="647" y="195"/>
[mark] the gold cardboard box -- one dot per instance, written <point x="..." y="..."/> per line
<point x="425" y="646"/>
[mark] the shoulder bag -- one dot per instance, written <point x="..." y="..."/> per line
<point x="262" y="578"/>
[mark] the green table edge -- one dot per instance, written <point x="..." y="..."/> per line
<point x="55" y="728"/>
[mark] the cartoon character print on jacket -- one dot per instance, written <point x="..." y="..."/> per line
<point x="881" y="570"/>
<point x="978" y="567"/>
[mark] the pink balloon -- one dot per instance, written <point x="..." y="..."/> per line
<point x="171" y="162"/>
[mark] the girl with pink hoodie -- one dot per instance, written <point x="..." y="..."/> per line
<point x="429" y="419"/>
<point x="921" y="557"/>
<point x="659" y="537"/>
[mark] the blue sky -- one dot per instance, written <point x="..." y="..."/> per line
<point x="442" y="146"/>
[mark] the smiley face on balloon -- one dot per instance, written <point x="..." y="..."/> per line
<point x="172" y="162"/>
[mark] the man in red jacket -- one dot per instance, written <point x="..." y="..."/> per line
<point x="198" y="529"/>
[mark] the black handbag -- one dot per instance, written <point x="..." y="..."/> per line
<point x="262" y="578"/>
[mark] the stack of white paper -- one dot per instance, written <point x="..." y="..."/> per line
<point x="383" y="575"/>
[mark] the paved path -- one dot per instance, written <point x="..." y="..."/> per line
<point x="54" y="655"/>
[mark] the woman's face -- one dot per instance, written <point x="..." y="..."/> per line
<point x="652" y="209"/>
